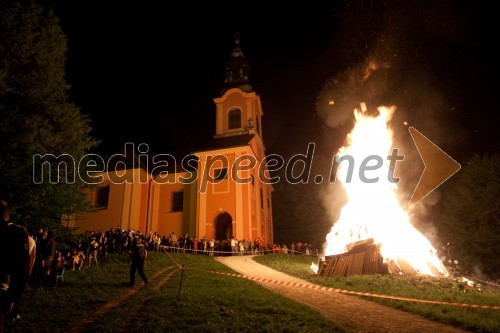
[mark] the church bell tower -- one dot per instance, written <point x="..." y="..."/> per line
<point x="228" y="206"/>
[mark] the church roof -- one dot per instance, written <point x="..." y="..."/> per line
<point x="237" y="70"/>
<point x="228" y="142"/>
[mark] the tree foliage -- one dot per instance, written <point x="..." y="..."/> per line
<point x="37" y="116"/>
<point x="470" y="216"/>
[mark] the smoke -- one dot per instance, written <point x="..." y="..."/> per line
<point x="368" y="82"/>
<point x="333" y="198"/>
<point x="478" y="272"/>
<point x="389" y="68"/>
<point x="421" y="218"/>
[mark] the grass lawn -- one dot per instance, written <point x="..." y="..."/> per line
<point x="420" y="287"/>
<point x="208" y="302"/>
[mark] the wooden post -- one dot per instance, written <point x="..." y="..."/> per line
<point x="180" y="284"/>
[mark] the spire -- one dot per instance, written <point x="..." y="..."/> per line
<point x="237" y="69"/>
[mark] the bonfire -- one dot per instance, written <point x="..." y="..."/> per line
<point x="373" y="219"/>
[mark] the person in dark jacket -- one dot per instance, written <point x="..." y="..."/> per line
<point x="138" y="255"/>
<point x="16" y="262"/>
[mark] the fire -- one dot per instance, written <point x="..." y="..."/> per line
<point x="372" y="210"/>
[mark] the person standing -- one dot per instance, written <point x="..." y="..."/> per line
<point x="138" y="254"/>
<point x="17" y="254"/>
<point x="49" y="253"/>
<point x="212" y="247"/>
<point x="234" y="246"/>
<point x="93" y="247"/>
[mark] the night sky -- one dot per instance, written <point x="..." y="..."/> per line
<point x="144" y="77"/>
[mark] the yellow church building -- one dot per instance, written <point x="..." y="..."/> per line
<point x="206" y="200"/>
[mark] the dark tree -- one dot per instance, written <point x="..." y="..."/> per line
<point x="37" y="116"/>
<point x="470" y="216"/>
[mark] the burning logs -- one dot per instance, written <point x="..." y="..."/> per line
<point x="363" y="257"/>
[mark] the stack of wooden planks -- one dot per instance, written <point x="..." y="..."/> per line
<point x="363" y="257"/>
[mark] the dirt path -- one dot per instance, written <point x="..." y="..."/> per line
<point x="353" y="313"/>
<point x="126" y="325"/>
<point x="113" y="303"/>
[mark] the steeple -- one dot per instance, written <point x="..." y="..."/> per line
<point x="237" y="69"/>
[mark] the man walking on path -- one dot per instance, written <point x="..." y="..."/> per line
<point x="138" y="255"/>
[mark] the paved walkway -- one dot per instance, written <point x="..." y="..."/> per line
<point x="353" y="313"/>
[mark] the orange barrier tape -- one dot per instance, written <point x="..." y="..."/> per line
<point x="350" y="292"/>
<point x="237" y="253"/>
<point x="483" y="281"/>
<point x="175" y="262"/>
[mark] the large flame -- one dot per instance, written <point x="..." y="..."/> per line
<point x="372" y="210"/>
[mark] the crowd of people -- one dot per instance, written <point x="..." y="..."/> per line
<point x="38" y="257"/>
<point x="93" y="247"/>
<point x="230" y="246"/>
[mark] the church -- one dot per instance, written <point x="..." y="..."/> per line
<point x="219" y="208"/>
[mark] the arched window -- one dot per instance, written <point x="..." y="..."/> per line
<point x="234" y="119"/>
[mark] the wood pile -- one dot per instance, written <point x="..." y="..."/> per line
<point x="363" y="257"/>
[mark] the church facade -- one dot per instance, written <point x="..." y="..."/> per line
<point x="224" y="194"/>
